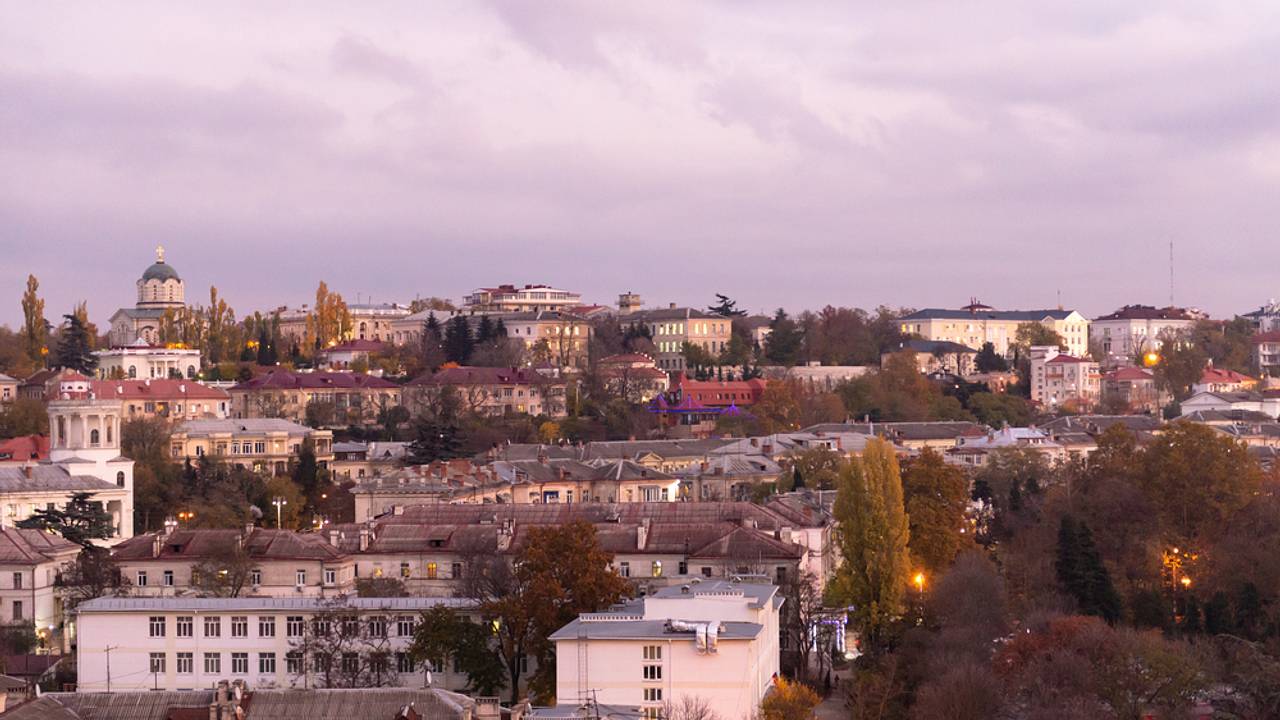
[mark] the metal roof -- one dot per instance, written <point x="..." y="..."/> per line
<point x="112" y="604"/>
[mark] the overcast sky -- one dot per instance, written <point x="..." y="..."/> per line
<point x="901" y="153"/>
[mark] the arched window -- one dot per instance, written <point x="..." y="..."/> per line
<point x="109" y="424"/>
<point x="191" y="372"/>
<point x="120" y="478"/>
<point x="133" y="372"/>
<point x="93" y="438"/>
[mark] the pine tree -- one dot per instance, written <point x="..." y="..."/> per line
<point x="785" y="342"/>
<point x="484" y="330"/>
<point x="725" y="307"/>
<point x="74" y="347"/>
<point x="1081" y="572"/>
<point x="433" y="441"/>
<point x="797" y="479"/>
<point x="81" y="521"/>
<point x="458" y="343"/>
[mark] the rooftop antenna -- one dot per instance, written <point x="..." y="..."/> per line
<point x="1170" y="273"/>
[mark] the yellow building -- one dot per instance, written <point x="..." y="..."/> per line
<point x="264" y="445"/>
<point x="975" y="325"/>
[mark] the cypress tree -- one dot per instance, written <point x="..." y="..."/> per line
<point x="797" y="480"/>
<point x="75" y="348"/>
<point x="1082" y="574"/>
<point x="484" y="330"/>
<point x="458" y="342"/>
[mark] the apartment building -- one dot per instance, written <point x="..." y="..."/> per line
<point x="562" y="335"/>
<point x="172" y="643"/>
<point x="512" y="299"/>
<point x="369" y="321"/>
<point x="976" y="324"/>
<point x="355" y="398"/>
<point x="175" y="400"/>
<point x="671" y="327"/>
<point x="1266" y="353"/>
<point x="493" y="391"/>
<point x="1137" y="329"/>
<point x="1058" y="378"/>
<point x="263" y="445"/>
<point x="30" y="564"/>
<point x="717" y="642"/>
<point x="937" y="356"/>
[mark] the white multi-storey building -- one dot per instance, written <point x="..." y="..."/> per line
<point x="976" y="324"/>
<point x="716" y="641"/>
<point x="143" y="360"/>
<point x="1136" y="329"/>
<point x="512" y="299"/>
<point x="186" y="643"/>
<point x="1058" y="378"/>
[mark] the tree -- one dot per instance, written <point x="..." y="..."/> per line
<point x="872" y="531"/>
<point x="225" y="571"/>
<point x="35" y="329"/>
<point x="329" y="321"/>
<point x="81" y="521"/>
<point x="724" y="307"/>
<point x="988" y="360"/>
<point x="1181" y="365"/>
<point x="311" y="480"/>
<point x="93" y="574"/>
<point x="458" y="343"/>
<point x="802" y="625"/>
<point x="1081" y="572"/>
<point x="381" y="587"/>
<point x="1034" y="334"/>
<point x="936" y="497"/>
<point x="789" y="701"/>
<point x="75" y="347"/>
<point x="344" y="649"/>
<point x="23" y="416"/>
<point x="441" y="635"/>
<point x="433" y="441"/>
<point x="431" y="352"/>
<point x="785" y="342"/>
<point x="1197" y="478"/>
<point x="1000" y="409"/>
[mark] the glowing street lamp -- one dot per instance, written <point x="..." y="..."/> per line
<point x="919" y="581"/>
<point x="279" y="502"/>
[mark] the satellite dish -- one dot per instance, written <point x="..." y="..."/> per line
<point x="256" y="512"/>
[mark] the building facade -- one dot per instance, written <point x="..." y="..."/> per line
<point x="263" y="445"/>
<point x="145" y="361"/>
<point x="1058" y="378"/>
<point x="671" y="327"/>
<point x="176" y="400"/>
<point x="160" y="289"/>
<point x="355" y="398"/>
<point x="30" y="564"/>
<point x="512" y="299"/>
<point x="1137" y="329"/>
<point x="976" y="324"/>
<point x="491" y="391"/>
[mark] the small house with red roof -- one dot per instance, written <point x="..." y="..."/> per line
<point x="1134" y="388"/>
<point x="1221" y="380"/>
<point x="343" y="355"/>
<point x="352" y="398"/>
<point x="634" y="377"/>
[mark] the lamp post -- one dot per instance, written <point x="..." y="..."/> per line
<point x="279" y="502"/>
<point x="186" y="516"/>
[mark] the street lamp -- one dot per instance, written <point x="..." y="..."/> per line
<point x="186" y="516"/>
<point x="279" y="502"/>
<point x="919" y="582"/>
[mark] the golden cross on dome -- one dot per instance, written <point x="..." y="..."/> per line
<point x="160" y="253"/>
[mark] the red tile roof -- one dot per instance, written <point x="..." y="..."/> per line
<point x="1267" y="337"/>
<point x="26" y="447"/>
<point x="285" y="380"/>
<point x="468" y="375"/>
<point x="157" y="389"/>
<point x="1064" y="358"/>
<point x="1130" y="373"/>
<point x="1215" y="376"/>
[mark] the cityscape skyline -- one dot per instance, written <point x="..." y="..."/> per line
<point x="787" y="157"/>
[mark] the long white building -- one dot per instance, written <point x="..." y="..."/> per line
<point x="714" y="641"/>
<point x="174" y="644"/>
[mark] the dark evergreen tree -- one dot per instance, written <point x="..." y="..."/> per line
<point x="725" y="307"/>
<point x="1081" y="572"/>
<point x="433" y="441"/>
<point x="484" y="330"/>
<point x="797" y="479"/>
<point x="500" y="329"/>
<point x="988" y="360"/>
<point x="458" y="343"/>
<point x="75" y="348"/>
<point x="785" y="342"/>
<point x="81" y="521"/>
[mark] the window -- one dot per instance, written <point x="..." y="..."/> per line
<point x="17" y="610"/>
<point x="186" y="626"/>
<point x="652" y="652"/>
<point x="239" y="626"/>
<point x="624" y="569"/>
<point x="330" y="576"/>
<point x="293" y="626"/>
<point x="240" y="663"/>
<point x="683" y="569"/>
<point x="431" y="571"/>
<point x="350" y="662"/>
<point x="186" y="663"/>
<point x="652" y="672"/>
<point x="706" y="571"/>
<point x="267" y="663"/>
<point x="377" y="626"/>
<point x="213" y="663"/>
<point x="782" y="575"/>
<point x="255" y="577"/>
<point x="320" y="627"/>
<point x="405" y="626"/>
<point x="351" y="626"/>
<point x="157" y="663"/>
<point x="455" y="570"/>
<point x="322" y="662"/>
<point x="213" y="627"/>
<point x="17" y="581"/>
<point x="653" y="694"/>
<point x="167" y="578"/>
<point x="157" y="625"/>
<point x="293" y="662"/>
<point x="300" y="577"/>
<point x="404" y="569"/>
<point x="657" y="568"/>
<point x="404" y="663"/>
<point x="266" y="627"/>
<point x="142" y="578"/>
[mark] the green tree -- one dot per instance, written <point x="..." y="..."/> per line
<point x="81" y="520"/>
<point x="1081" y="572"/>
<point x="936" y="496"/>
<point x="988" y="360"/>
<point x="458" y="343"/>
<point x="785" y="342"/>
<point x="1197" y="478"/>
<point x="23" y="416"/>
<point x="724" y="307"/>
<point x="93" y="574"/>
<point x="1181" y="364"/>
<point x="311" y="480"/>
<point x="433" y="441"/>
<point x="35" y="329"/>
<point x="873" y="532"/>
<point x="225" y="570"/>
<point x="75" y="347"/>
<point x="441" y="635"/>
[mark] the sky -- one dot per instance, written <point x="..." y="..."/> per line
<point x="786" y="154"/>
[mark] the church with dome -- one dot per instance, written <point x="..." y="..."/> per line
<point x="159" y="289"/>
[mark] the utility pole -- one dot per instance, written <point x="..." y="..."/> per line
<point x="109" y="649"/>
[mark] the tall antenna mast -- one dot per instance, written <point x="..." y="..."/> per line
<point x="1170" y="273"/>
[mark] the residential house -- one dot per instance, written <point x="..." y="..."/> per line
<point x="758" y="328"/>
<point x="1266" y="353"/>
<point x="939" y="435"/>
<point x="719" y="394"/>
<point x="24" y="449"/>
<point x="175" y="643"/>
<point x="493" y="391"/>
<point x="714" y="642"/>
<point x="355" y="460"/>
<point x="1135" y="330"/>
<point x="31" y="562"/>
<point x="1059" y="379"/>
<point x="349" y="398"/>
<point x="175" y="400"/>
<point x="976" y="452"/>
<point x="349" y="353"/>
<point x="815" y="377"/>
<point x="1265" y="319"/>
<point x="559" y="335"/>
<point x="937" y="356"/>
<point x="284" y="564"/>
<point x="263" y="445"/>
<point x="1134" y="388"/>
<point x="369" y="321"/>
<point x="1266" y="402"/>
<point x="633" y="377"/>
<point x="976" y="324"/>
<point x="1219" y="380"/>
<point x="8" y="388"/>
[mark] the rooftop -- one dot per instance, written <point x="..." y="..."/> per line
<point x="196" y="428"/>
<point x="266" y="604"/>
<point x="285" y="380"/>
<point x="1148" y="312"/>
<point x="981" y="314"/>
